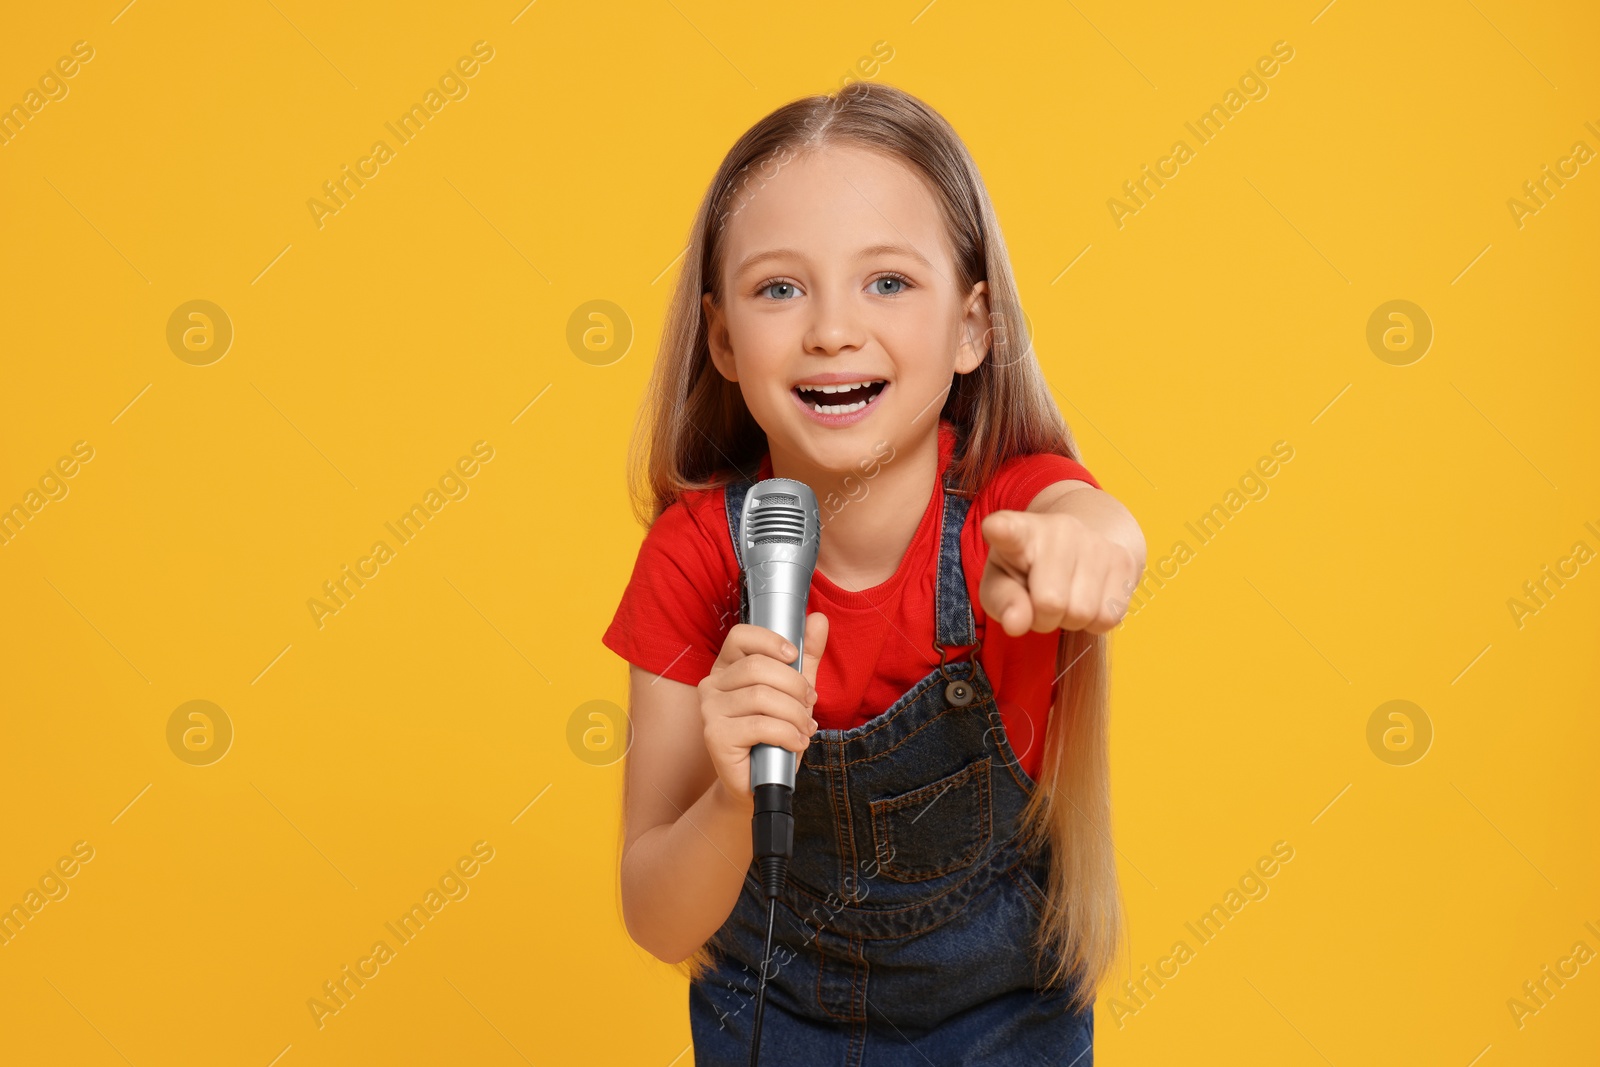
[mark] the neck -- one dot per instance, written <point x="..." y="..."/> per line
<point x="867" y="523"/>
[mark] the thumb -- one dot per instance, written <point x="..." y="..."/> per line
<point x="816" y="639"/>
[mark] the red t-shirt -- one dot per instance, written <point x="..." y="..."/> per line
<point x="683" y="598"/>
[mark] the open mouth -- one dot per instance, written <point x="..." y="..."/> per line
<point x="839" y="399"/>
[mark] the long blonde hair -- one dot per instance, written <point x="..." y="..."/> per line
<point x="695" y="432"/>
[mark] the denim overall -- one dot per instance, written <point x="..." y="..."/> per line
<point x="904" y="934"/>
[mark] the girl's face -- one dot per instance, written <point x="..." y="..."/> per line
<point x="837" y="271"/>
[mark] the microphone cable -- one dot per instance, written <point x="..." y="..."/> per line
<point x="772" y="830"/>
<point x="761" y="986"/>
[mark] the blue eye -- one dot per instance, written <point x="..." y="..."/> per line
<point x="778" y="285"/>
<point x="892" y="279"/>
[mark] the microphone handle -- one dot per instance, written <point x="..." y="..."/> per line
<point x="784" y="614"/>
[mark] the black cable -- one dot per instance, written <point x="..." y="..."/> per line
<point x="772" y="846"/>
<point x="761" y="986"/>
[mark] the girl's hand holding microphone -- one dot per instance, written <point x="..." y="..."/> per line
<point x="753" y="695"/>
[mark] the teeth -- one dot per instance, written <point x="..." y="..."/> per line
<point x="837" y="409"/>
<point x="838" y="388"/>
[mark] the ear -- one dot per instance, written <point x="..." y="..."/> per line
<point x="717" y="338"/>
<point x="976" y="330"/>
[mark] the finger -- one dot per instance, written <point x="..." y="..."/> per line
<point x="743" y="733"/>
<point x="1084" y="597"/>
<point x="816" y="639"/>
<point x="748" y="639"/>
<point x="1119" y="597"/>
<point x="1075" y="593"/>
<point x="1005" y="598"/>
<point x="785" y="696"/>
<point x="1050" y="590"/>
<point x="764" y="670"/>
<point x="1010" y="536"/>
<point x="1115" y="598"/>
<point x="1106" y="615"/>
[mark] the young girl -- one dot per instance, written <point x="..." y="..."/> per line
<point x="846" y="316"/>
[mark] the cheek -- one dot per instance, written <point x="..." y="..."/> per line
<point x="922" y="352"/>
<point x="764" y="351"/>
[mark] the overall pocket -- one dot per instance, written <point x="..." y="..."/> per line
<point x="935" y="829"/>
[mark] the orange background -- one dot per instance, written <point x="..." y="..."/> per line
<point x="369" y="751"/>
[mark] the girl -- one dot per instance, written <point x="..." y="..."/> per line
<point x="847" y="317"/>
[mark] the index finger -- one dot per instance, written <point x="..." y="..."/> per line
<point x="748" y="639"/>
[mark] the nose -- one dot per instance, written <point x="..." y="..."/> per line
<point x="834" y="326"/>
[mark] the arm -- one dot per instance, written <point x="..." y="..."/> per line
<point x="686" y="843"/>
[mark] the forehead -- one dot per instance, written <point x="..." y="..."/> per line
<point x="829" y="204"/>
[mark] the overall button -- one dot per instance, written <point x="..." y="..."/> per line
<point x="958" y="692"/>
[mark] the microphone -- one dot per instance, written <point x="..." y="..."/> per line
<point x="779" y="531"/>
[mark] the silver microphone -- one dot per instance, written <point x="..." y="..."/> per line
<point x="779" y="531"/>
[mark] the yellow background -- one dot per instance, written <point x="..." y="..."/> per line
<point x="432" y="711"/>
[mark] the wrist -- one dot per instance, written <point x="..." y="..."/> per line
<point x="735" y="804"/>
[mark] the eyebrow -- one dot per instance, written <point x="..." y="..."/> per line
<point x="871" y="250"/>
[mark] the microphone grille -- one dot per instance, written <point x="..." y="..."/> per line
<point x="776" y="518"/>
